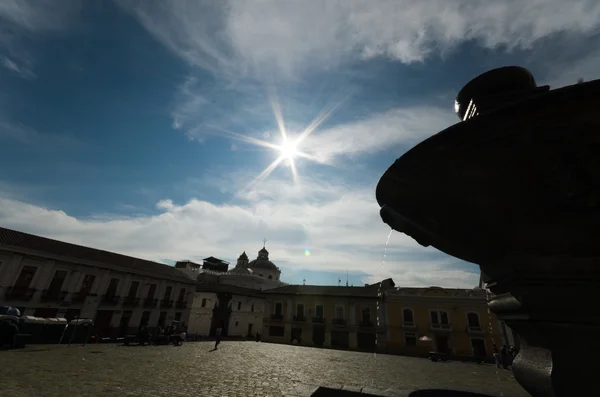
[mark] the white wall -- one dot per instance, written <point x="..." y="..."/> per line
<point x="200" y="317"/>
<point x="242" y="317"/>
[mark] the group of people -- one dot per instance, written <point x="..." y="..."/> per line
<point x="175" y="334"/>
<point x="504" y="356"/>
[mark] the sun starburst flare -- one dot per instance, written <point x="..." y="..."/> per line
<point x="289" y="147"/>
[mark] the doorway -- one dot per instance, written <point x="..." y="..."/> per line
<point x="102" y="322"/>
<point x="441" y="342"/>
<point x="478" y="346"/>
<point x="124" y="324"/>
<point x="296" y="335"/>
<point x="249" y="330"/>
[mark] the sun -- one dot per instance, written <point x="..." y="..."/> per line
<point x="288" y="150"/>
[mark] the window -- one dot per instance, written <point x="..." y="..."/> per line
<point x="473" y="319"/>
<point x="87" y="284"/>
<point x="204" y="302"/>
<point x="167" y="295"/>
<point x="276" y="331"/>
<point x="133" y="289"/>
<point x="410" y="339"/>
<point x="151" y="291"/>
<point x="57" y="281"/>
<point x="300" y="310"/>
<point x="112" y="287"/>
<point x="319" y="311"/>
<point x="339" y="312"/>
<point x="239" y="305"/>
<point x="278" y="308"/>
<point x="439" y="319"/>
<point x="270" y="277"/>
<point x="252" y="308"/>
<point x="25" y="277"/>
<point x="366" y="315"/>
<point x="177" y="316"/>
<point x="236" y="323"/>
<point x="407" y="317"/>
<point x="181" y="295"/>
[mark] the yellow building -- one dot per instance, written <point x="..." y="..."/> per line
<point x="445" y="320"/>
<point x="408" y="321"/>
<point x="328" y="316"/>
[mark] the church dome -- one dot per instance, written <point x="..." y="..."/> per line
<point x="263" y="262"/>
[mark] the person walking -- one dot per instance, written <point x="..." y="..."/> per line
<point x="497" y="356"/>
<point x="218" y="336"/>
<point x="504" y="356"/>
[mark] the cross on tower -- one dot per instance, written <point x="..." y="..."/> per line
<point x="264" y="242"/>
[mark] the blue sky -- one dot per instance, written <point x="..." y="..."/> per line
<point x="132" y="125"/>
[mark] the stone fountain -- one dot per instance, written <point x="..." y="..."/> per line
<point x="515" y="188"/>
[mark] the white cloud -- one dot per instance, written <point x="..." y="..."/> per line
<point x="338" y="223"/>
<point x="380" y="131"/>
<point x="282" y="38"/>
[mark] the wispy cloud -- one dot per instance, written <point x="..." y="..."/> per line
<point x="337" y="222"/>
<point x="19" y="19"/>
<point x="22" y="70"/>
<point x="23" y="134"/>
<point x="407" y="126"/>
<point x="281" y="38"/>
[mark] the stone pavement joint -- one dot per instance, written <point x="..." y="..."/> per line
<point x="236" y="369"/>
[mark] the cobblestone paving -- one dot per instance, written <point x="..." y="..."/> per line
<point x="235" y="369"/>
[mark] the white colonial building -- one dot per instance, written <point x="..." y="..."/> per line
<point x="231" y="299"/>
<point x="49" y="278"/>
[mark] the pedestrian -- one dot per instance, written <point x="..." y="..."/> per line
<point x="497" y="356"/>
<point x="504" y="356"/>
<point x="218" y="337"/>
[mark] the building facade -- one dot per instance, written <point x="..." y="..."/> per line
<point x="327" y="316"/>
<point x="48" y="278"/>
<point x="238" y="311"/>
<point x="445" y="320"/>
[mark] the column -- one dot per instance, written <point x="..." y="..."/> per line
<point x="10" y="270"/>
<point x="101" y="285"/>
<point x="124" y="285"/>
<point x="327" y="342"/>
<point x="43" y="281"/>
<point x="75" y="279"/>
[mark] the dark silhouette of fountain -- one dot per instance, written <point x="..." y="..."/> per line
<point x="515" y="188"/>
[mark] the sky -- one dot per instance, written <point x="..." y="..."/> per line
<point x="149" y="128"/>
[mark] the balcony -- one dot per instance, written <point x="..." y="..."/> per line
<point x="408" y="324"/>
<point x="53" y="296"/>
<point x="181" y="304"/>
<point x="299" y="318"/>
<point x="475" y="330"/>
<point x="150" y="302"/>
<point x="441" y="327"/>
<point x="131" y="301"/>
<point x="338" y="321"/>
<point x="19" y="293"/>
<point x="166" y="303"/>
<point x="366" y="323"/>
<point x="318" y="320"/>
<point x="110" y="299"/>
<point x="276" y="316"/>
<point x="80" y="296"/>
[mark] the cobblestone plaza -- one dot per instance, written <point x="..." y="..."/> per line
<point x="235" y="369"/>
